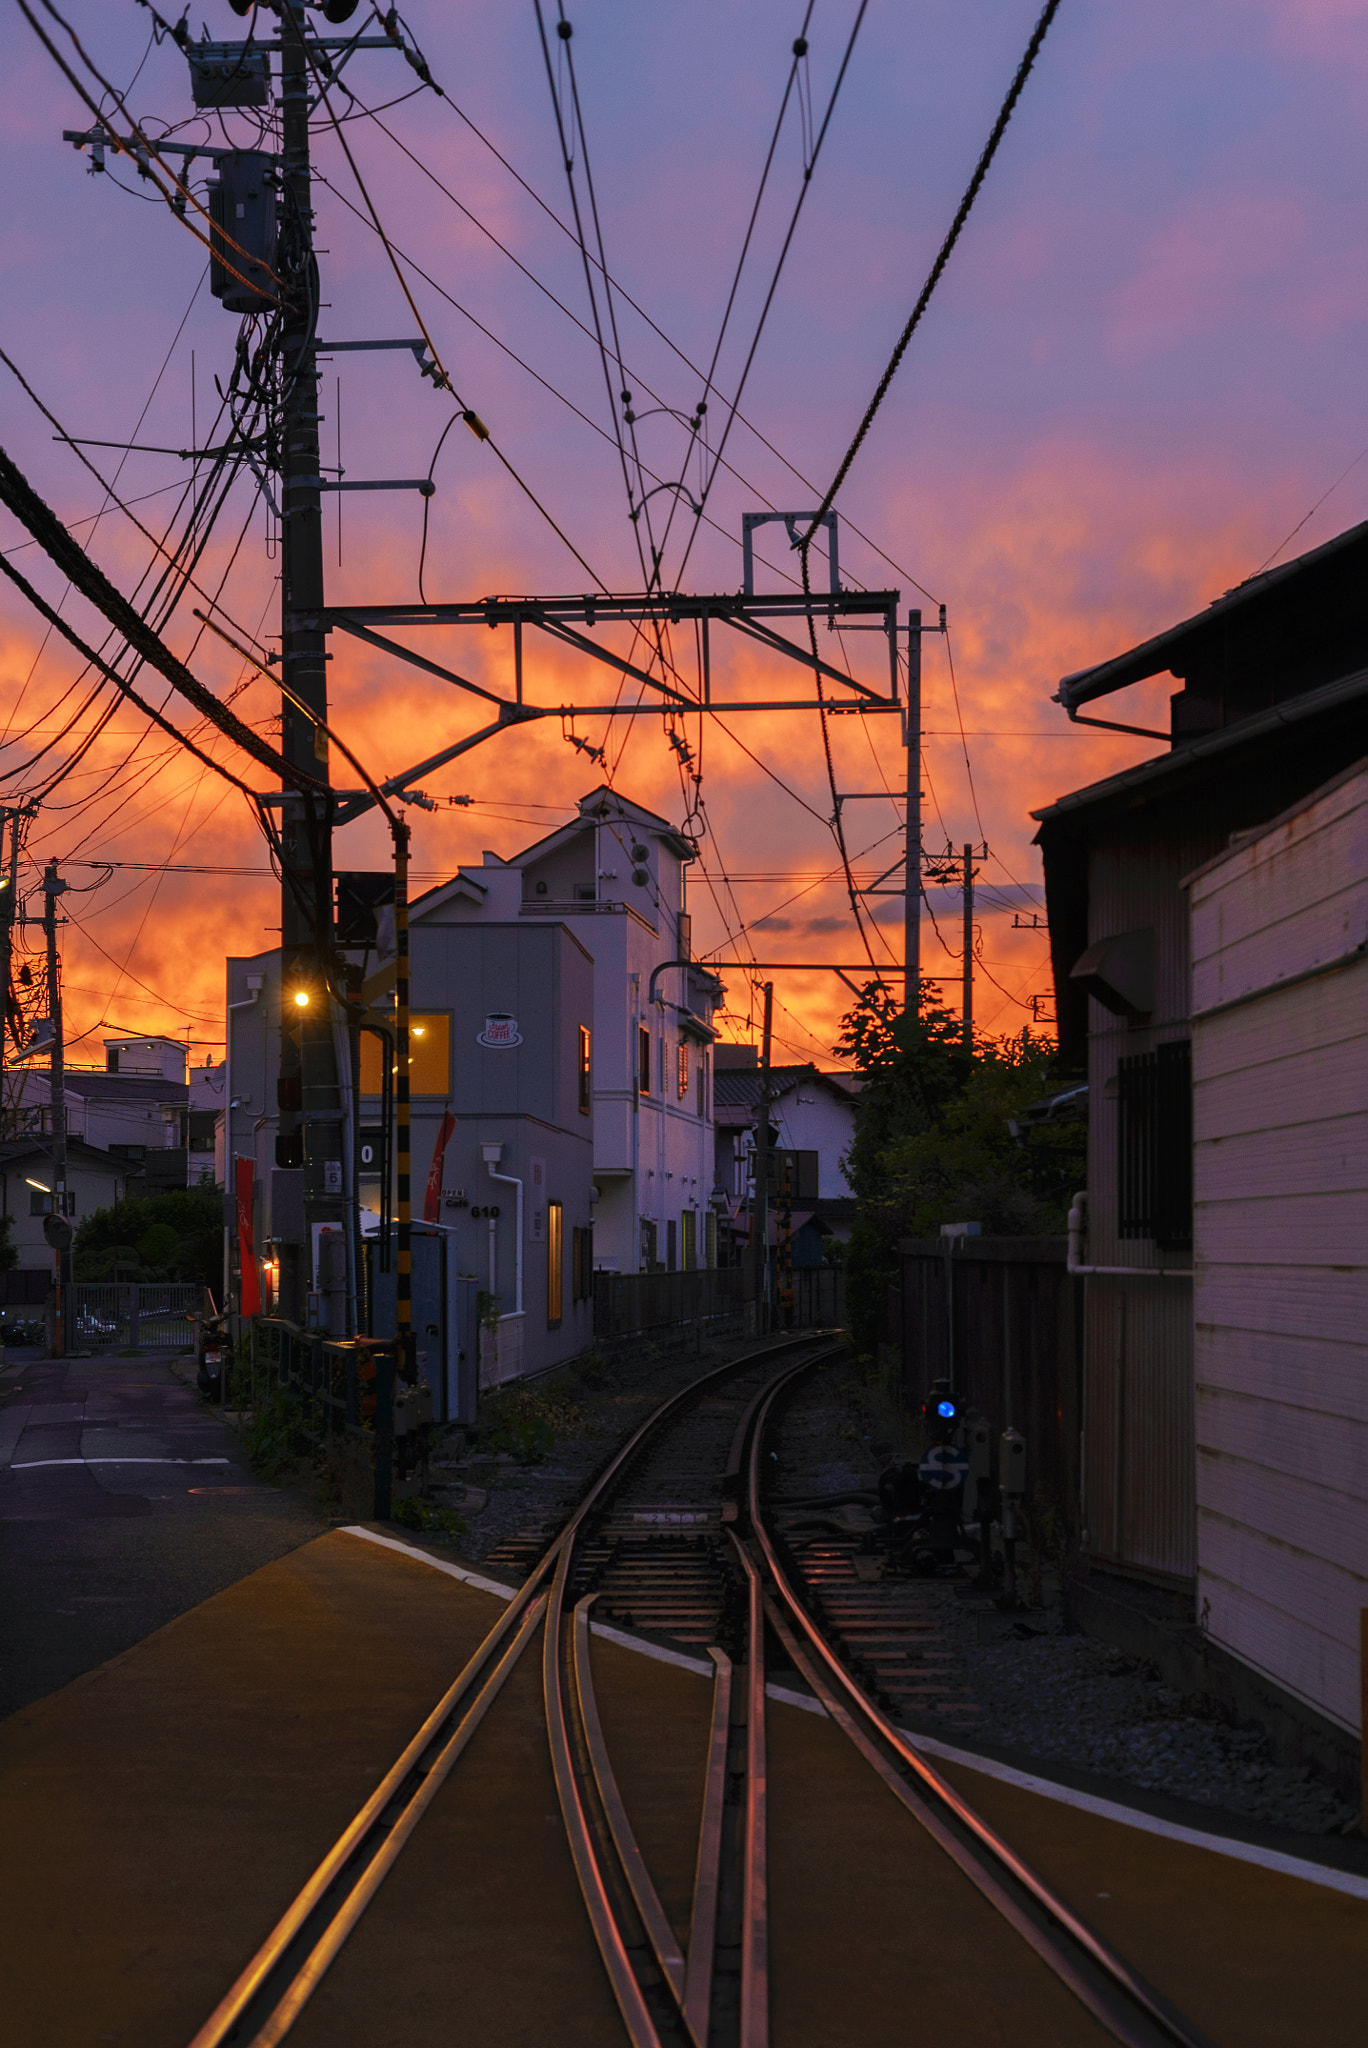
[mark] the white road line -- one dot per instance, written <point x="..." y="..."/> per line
<point x="1044" y="1788"/>
<point x="43" y="1464"/>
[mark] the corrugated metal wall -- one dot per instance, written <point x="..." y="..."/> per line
<point x="1281" y="1175"/>
<point x="1001" y="1319"/>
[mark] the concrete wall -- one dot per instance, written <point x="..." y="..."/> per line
<point x="1280" y="1076"/>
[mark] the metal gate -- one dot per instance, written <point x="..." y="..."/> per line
<point x="110" y="1315"/>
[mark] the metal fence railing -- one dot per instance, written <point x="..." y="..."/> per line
<point x="345" y="1390"/>
<point x="641" y="1304"/>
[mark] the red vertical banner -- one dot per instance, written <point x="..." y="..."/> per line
<point x="244" y="1173"/>
<point x="432" y="1194"/>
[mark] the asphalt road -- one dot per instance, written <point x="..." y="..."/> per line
<point x="124" y="1501"/>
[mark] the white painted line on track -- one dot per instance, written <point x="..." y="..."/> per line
<point x="1147" y="1823"/>
<point x="1044" y="1788"/>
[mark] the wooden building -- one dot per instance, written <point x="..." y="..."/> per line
<point x="1273" y="703"/>
<point x="1280" y="1245"/>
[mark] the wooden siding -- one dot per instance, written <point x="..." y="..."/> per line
<point x="1138" y="1490"/>
<point x="1280" y="1093"/>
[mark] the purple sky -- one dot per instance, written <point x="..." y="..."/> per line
<point x="1142" y="369"/>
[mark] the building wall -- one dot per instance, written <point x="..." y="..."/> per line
<point x="1139" y="1450"/>
<point x="93" y="1187"/>
<point x="1280" y="1080"/>
<point x="811" y="1119"/>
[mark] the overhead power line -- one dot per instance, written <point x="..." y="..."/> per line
<point x="23" y="501"/>
<point x="1005" y="113"/>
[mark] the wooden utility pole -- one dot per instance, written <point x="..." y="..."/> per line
<point x="309" y="1100"/>
<point x="760" y="1206"/>
<point x="968" y="997"/>
<point x="912" y="829"/>
<point x="53" y="887"/>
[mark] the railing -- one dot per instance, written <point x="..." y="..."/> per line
<point x="345" y="1389"/>
<point x="631" y="1304"/>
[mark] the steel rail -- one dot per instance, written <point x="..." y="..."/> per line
<point x="659" y="1932"/>
<point x="363" y="1839"/>
<point x="707" y="1889"/>
<point x="1097" y="1975"/>
<point x="592" y="1807"/>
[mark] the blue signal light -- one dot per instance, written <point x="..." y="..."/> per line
<point x="945" y="1408"/>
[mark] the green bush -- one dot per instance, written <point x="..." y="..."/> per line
<point x="432" y="1521"/>
<point x="177" y="1235"/>
<point x="525" y="1422"/>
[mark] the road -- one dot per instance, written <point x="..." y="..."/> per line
<point x="124" y="1501"/>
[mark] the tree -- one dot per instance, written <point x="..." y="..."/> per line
<point x="933" y="1142"/>
<point x="177" y="1235"/>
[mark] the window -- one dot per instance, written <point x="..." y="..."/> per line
<point x="586" y="1094"/>
<point x="582" y="1263"/>
<point x="670" y="1253"/>
<point x="688" y="1240"/>
<point x="682" y="1069"/>
<point x="429" y="1057"/>
<point x="40" y="1204"/>
<point x="649" y="1261"/>
<point x="644" y="1058"/>
<point x="555" y="1264"/>
<point x="710" y="1238"/>
<point x="1154" y="1145"/>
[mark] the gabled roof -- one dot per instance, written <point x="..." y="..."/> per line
<point x="601" y="805"/>
<point x="13" y="1151"/>
<point x="1291" y="602"/>
<point x="739" y="1087"/>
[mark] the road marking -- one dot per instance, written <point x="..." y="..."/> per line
<point x="1044" y="1788"/>
<point x="42" y="1464"/>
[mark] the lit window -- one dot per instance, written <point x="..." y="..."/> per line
<point x="586" y="1100"/>
<point x="682" y="1074"/>
<point x="429" y="1057"/>
<point x="555" y="1264"/>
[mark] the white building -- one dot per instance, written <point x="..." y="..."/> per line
<point x="616" y="876"/>
<point x="812" y="1121"/>
<point x="1280" y="1129"/>
<point x="141" y="1107"/>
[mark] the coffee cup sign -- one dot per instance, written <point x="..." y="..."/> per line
<point x="500" y="1032"/>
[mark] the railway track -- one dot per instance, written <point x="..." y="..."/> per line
<point x="675" y="1538"/>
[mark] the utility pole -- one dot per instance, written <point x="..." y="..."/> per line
<point x="760" y="1206"/>
<point x="53" y="887"/>
<point x="968" y="997"/>
<point x="8" y="913"/>
<point x="912" y="828"/>
<point x="308" y="1095"/>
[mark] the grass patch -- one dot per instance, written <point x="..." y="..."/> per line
<point x="430" y="1520"/>
<point x="526" y="1421"/>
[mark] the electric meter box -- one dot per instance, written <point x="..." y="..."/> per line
<point x="242" y="212"/>
<point x="1012" y="1463"/>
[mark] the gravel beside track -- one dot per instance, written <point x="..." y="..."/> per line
<point x="1041" y="1693"/>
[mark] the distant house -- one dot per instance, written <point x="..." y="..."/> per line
<point x="812" y="1123"/>
<point x="1280" y="1245"/>
<point x="139" y="1106"/>
<point x="1274" y="703"/>
<point x="94" y="1180"/>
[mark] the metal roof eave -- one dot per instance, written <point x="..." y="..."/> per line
<point x="1151" y="657"/>
<point x="1165" y="766"/>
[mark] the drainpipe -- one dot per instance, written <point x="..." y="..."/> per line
<point x="492" y="1155"/>
<point x="1078" y="1229"/>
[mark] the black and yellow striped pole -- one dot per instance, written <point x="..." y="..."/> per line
<point x="403" y="1288"/>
